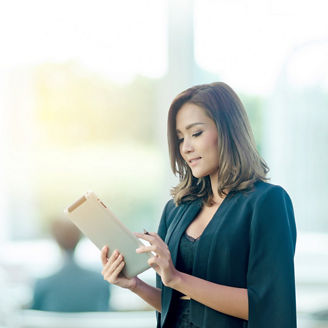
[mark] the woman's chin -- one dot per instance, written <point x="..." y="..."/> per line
<point x="202" y="174"/>
<point x="198" y="175"/>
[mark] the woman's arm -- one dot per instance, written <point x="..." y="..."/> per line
<point x="148" y="293"/>
<point x="229" y="300"/>
<point x="112" y="268"/>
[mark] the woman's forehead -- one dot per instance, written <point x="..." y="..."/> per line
<point x="189" y="115"/>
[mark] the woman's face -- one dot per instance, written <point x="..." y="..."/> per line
<point x="198" y="140"/>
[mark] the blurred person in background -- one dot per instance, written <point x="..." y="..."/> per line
<point x="72" y="288"/>
<point x="224" y="251"/>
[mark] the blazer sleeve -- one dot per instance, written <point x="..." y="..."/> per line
<point x="162" y="229"/>
<point x="270" y="275"/>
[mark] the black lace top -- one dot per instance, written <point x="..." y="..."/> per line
<point x="185" y="257"/>
<point x="180" y="310"/>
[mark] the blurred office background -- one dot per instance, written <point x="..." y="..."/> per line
<point x="84" y="91"/>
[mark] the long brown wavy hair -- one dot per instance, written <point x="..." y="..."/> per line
<point x="240" y="163"/>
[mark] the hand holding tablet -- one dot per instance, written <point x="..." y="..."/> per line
<point x="99" y="224"/>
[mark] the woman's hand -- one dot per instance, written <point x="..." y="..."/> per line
<point x="161" y="261"/>
<point x="112" y="269"/>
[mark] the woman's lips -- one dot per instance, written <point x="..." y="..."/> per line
<point x="194" y="161"/>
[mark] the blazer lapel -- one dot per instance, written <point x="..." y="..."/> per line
<point x="180" y="224"/>
<point x="177" y="217"/>
<point x="183" y="217"/>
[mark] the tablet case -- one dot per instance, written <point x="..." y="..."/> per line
<point x="100" y="225"/>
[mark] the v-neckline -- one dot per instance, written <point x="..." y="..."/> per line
<point x="213" y="216"/>
<point x="190" y="238"/>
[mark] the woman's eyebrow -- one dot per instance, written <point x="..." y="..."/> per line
<point x="189" y="126"/>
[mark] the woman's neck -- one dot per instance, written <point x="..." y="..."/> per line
<point x="217" y="199"/>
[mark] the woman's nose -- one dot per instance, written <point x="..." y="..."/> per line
<point x="187" y="146"/>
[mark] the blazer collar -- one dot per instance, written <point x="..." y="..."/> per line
<point x="179" y="224"/>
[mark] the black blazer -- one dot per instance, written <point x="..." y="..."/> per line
<point x="249" y="243"/>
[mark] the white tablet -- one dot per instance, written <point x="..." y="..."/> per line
<point x="100" y="225"/>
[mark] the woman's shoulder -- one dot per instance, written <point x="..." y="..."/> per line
<point x="264" y="190"/>
<point x="172" y="209"/>
<point x="271" y="208"/>
<point x="169" y="212"/>
<point x="170" y="205"/>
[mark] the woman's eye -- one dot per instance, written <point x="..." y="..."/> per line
<point x="197" y="134"/>
<point x="180" y="140"/>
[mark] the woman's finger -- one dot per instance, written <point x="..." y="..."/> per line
<point x="145" y="249"/>
<point x="118" y="270"/>
<point x="149" y="237"/>
<point x="153" y="262"/>
<point x="111" y="266"/>
<point x="104" y="252"/>
<point x="158" y="249"/>
<point x="148" y="234"/>
<point x="113" y="272"/>
<point x="112" y="258"/>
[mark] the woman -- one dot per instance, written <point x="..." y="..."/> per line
<point x="225" y="245"/>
